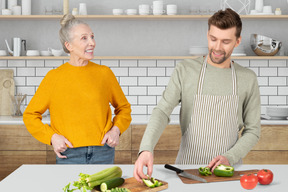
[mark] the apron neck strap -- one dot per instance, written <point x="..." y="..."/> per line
<point x="202" y="77"/>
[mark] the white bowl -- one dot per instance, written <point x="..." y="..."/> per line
<point x="45" y="53"/>
<point x="277" y="112"/>
<point x="198" y="50"/>
<point x="32" y="53"/>
<point x="56" y="52"/>
<point x="3" y="53"/>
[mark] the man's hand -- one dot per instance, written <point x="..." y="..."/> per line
<point x="59" y="143"/>
<point x="217" y="161"/>
<point x="112" y="137"/>
<point x="144" y="159"/>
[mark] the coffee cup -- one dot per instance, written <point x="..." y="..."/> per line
<point x="6" y="12"/>
<point x="267" y="9"/>
<point x="144" y="9"/>
<point x="117" y="11"/>
<point x="158" y="11"/>
<point x="3" y="53"/>
<point x="171" y="9"/>
<point x="131" y="11"/>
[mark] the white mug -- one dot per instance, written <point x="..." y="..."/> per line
<point x="158" y="11"/>
<point x="16" y="10"/>
<point x="267" y="9"/>
<point x="131" y="11"/>
<point x="157" y="5"/>
<point x="82" y="9"/>
<point x="171" y="9"/>
<point x="144" y="9"/>
<point x="117" y="11"/>
<point x="6" y="12"/>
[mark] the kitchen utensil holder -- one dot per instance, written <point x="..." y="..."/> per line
<point x="243" y="9"/>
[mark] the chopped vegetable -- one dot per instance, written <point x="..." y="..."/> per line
<point x="224" y="171"/>
<point x="88" y="182"/>
<point x="205" y="171"/>
<point x="112" y="183"/>
<point x="152" y="182"/>
<point x="119" y="190"/>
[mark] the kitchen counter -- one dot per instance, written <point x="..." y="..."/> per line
<point x="136" y="120"/>
<point x="48" y="178"/>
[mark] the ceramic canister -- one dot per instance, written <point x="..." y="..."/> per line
<point x="26" y="7"/>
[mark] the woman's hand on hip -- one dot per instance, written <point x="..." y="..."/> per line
<point x="112" y="137"/>
<point x="59" y="143"/>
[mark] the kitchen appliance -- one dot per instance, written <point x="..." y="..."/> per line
<point x="185" y="174"/>
<point x="7" y="88"/>
<point x="19" y="47"/>
<point x="213" y="178"/>
<point x="264" y="46"/>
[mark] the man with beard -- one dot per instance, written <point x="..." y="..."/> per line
<point x="218" y="98"/>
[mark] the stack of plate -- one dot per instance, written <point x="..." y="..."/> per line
<point x="278" y="112"/>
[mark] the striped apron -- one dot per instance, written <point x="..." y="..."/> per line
<point x="213" y="128"/>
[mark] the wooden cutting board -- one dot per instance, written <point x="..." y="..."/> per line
<point x="237" y="175"/>
<point x="7" y="88"/>
<point x="134" y="186"/>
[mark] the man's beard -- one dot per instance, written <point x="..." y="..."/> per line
<point x="224" y="58"/>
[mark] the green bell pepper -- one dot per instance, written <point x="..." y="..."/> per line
<point x="224" y="171"/>
<point x="205" y="171"/>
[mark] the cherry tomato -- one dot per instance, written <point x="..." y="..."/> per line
<point x="249" y="181"/>
<point x="265" y="176"/>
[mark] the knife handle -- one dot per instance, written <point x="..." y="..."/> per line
<point x="167" y="166"/>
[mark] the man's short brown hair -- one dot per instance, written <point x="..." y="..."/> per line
<point x="225" y="19"/>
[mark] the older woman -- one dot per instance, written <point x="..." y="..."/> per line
<point x="78" y="95"/>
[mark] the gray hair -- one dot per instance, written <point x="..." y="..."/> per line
<point x="68" y="22"/>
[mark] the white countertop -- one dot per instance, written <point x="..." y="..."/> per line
<point x="136" y="119"/>
<point x="52" y="178"/>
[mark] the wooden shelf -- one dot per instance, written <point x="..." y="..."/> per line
<point x="139" y="57"/>
<point x="125" y="17"/>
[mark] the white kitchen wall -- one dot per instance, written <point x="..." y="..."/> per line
<point x="143" y="81"/>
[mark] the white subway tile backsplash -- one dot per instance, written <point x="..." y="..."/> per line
<point x="120" y="72"/>
<point x="165" y="63"/>
<point x="283" y="91"/>
<point x="262" y="81"/>
<point x="97" y="61"/>
<point x="264" y="100"/>
<point x="147" y="81"/>
<point x="156" y="72"/>
<point x="53" y="63"/>
<point x="268" y="71"/>
<point x="277" y="63"/>
<point x="25" y="90"/>
<point x="277" y="81"/>
<point x="156" y="90"/>
<point x="169" y="71"/>
<point x="147" y="63"/>
<point x="3" y="63"/>
<point x="110" y="63"/>
<point x="20" y="81"/>
<point x="42" y="71"/>
<point x="137" y="72"/>
<point x="147" y="100"/>
<point x="138" y="90"/>
<point x="16" y="63"/>
<point x="139" y="110"/>
<point x="35" y="63"/>
<point x="150" y="109"/>
<point x="128" y="81"/>
<point x="162" y="81"/>
<point x="255" y="70"/>
<point x="277" y="100"/>
<point x="125" y="90"/>
<point x="243" y="62"/>
<point x="268" y="90"/>
<point x="34" y="81"/>
<point x="283" y="71"/>
<point x="133" y="100"/>
<point x="258" y="63"/>
<point x="176" y="110"/>
<point x="25" y="71"/>
<point x="128" y="63"/>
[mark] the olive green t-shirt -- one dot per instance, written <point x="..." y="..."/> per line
<point x="218" y="81"/>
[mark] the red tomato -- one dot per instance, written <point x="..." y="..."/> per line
<point x="265" y="176"/>
<point x="249" y="181"/>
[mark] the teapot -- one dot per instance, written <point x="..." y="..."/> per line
<point x="17" y="47"/>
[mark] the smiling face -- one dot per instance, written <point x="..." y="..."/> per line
<point x="221" y="43"/>
<point x="82" y="43"/>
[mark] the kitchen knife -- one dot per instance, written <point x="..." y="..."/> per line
<point x="185" y="174"/>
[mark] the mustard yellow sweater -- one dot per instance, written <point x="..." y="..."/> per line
<point x="78" y="100"/>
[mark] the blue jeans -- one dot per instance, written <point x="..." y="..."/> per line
<point x="88" y="155"/>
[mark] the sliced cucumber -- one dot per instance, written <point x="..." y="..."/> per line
<point x="112" y="183"/>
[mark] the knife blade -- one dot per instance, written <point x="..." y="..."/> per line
<point x="184" y="174"/>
